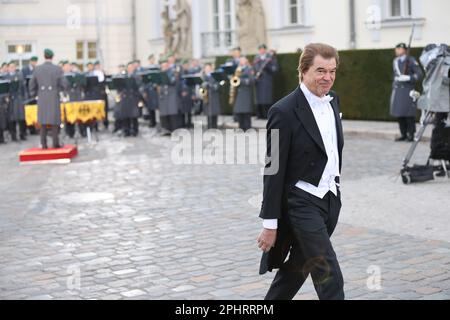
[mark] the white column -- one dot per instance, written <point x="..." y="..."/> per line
<point x="277" y="7"/>
<point x="197" y="27"/>
<point x="156" y="32"/>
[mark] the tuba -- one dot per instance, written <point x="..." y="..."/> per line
<point x="235" y="83"/>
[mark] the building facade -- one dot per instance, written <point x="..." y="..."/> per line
<point x="116" y="31"/>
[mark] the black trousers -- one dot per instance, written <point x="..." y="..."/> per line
<point x="55" y="136"/>
<point x="244" y="120"/>
<point x="262" y="111"/>
<point x="70" y="130"/>
<point x="2" y="137"/>
<point x="312" y="221"/>
<point x="187" y="120"/>
<point x="22" y="129"/>
<point x="118" y="125"/>
<point x="213" y="122"/>
<point x="106" y="121"/>
<point x="152" y="118"/>
<point x="131" y="127"/>
<point x="172" y="122"/>
<point x="407" y="127"/>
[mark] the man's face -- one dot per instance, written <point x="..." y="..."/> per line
<point x="321" y="76"/>
<point x="262" y="51"/>
<point x="243" y="62"/>
<point x="33" y="63"/>
<point x="208" y="69"/>
<point x="171" y="60"/>
<point x="66" y="68"/>
<point x="12" y="68"/>
<point x="236" y="53"/>
<point x="130" y="68"/>
<point x="90" y="67"/>
<point x="400" y="52"/>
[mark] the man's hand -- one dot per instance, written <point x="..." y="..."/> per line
<point x="267" y="239"/>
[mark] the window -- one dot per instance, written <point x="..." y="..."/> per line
<point x="86" y="50"/>
<point x="223" y="22"/>
<point x="20" y="49"/>
<point x="20" y="53"/>
<point x="400" y="8"/>
<point x="295" y="12"/>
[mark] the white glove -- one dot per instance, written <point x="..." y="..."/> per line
<point x="403" y="78"/>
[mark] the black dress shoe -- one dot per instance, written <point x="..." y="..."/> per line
<point x="401" y="139"/>
<point x="23" y="138"/>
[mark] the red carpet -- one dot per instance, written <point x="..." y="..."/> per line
<point x="40" y="155"/>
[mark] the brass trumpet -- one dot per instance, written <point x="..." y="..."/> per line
<point x="235" y="83"/>
<point x="204" y="94"/>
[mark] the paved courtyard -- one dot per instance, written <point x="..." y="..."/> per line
<point x="123" y="222"/>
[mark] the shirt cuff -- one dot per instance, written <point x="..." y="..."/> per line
<point x="271" y="224"/>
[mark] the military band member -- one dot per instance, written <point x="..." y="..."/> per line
<point x="187" y="96"/>
<point x="3" y="69"/>
<point x="27" y="72"/>
<point x="265" y="66"/>
<point x="151" y="94"/>
<point x="211" y="107"/>
<point x="47" y="81"/>
<point x="4" y="101"/>
<point x="130" y="98"/>
<point x="407" y="73"/>
<point x="16" y="111"/>
<point x="137" y="65"/>
<point x="243" y="105"/>
<point x="236" y="55"/>
<point x="73" y="92"/>
<point x="118" y="119"/>
<point x="98" y="70"/>
<point x="170" y="98"/>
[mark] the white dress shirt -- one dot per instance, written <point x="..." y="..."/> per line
<point x="326" y="121"/>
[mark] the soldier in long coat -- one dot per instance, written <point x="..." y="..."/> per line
<point x="129" y="102"/>
<point x="244" y="103"/>
<point x="407" y="73"/>
<point x="170" y="99"/>
<point x="73" y="92"/>
<point x="212" y="109"/>
<point x="151" y="95"/>
<point x="47" y="82"/>
<point x="265" y="66"/>
<point x="4" y="98"/>
<point x="27" y="72"/>
<point x="16" y="108"/>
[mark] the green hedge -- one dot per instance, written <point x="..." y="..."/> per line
<point x="364" y="81"/>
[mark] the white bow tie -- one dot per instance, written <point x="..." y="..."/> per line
<point x="326" y="99"/>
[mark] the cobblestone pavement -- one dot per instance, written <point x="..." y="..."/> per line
<point x="123" y="222"/>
